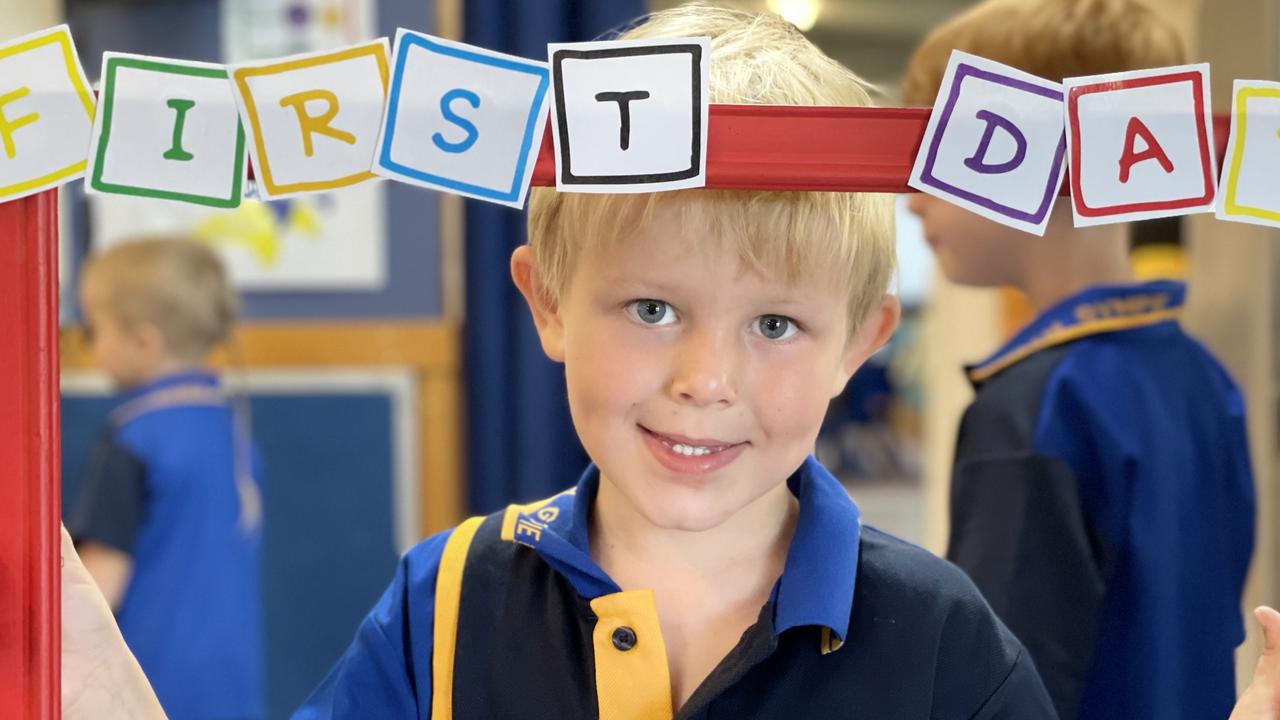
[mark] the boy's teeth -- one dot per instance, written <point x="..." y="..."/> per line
<point x="690" y="450"/>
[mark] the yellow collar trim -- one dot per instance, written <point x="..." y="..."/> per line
<point x="1074" y="332"/>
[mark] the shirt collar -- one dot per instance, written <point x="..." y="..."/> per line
<point x="817" y="583"/>
<point x="201" y="378"/>
<point x="1099" y="309"/>
<point x="190" y="387"/>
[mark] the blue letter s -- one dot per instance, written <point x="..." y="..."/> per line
<point x="472" y="133"/>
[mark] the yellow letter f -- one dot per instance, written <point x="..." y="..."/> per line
<point x="7" y="126"/>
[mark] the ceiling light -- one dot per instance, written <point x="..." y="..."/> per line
<point x="801" y="13"/>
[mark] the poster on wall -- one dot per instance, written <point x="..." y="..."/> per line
<point x="335" y="241"/>
<point x="261" y="29"/>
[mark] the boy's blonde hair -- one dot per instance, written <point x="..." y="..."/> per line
<point x="176" y="284"/>
<point x="1053" y="39"/>
<point x="755" y="59"/>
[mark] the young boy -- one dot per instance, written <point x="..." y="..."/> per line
<point x="1101" y="498"/>
<point x="168" y="520"/>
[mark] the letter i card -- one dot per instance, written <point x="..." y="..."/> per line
<point x="1141" y="145"/>
<point x="313" y="119"/>
<point x="463" y="119"/>
<point x="995" y="143"/>
<point x="167" y="129"/>
<point x="46" y="112"/>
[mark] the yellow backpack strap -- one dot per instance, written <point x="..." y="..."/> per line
<point x="448" y="597"/>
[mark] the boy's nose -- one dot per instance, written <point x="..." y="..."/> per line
<point x="703" y="376"/>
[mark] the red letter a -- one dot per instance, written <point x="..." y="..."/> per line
<point x="1153" y="151"/>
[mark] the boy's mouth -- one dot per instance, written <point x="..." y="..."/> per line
<point x="691" y="455"/>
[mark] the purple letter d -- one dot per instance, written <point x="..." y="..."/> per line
<point x="978" y="163"/>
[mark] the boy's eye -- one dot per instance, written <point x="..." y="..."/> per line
<point x="775" y="327"/>
<point x="652" y="312"/>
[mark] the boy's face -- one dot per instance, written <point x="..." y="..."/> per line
<point x="119" y="350"/>
<point x="971" y="249"/>
<point x="696" y="386"/>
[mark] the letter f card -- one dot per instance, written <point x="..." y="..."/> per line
<point x="46" y="112"/>
<point x="995" y="143"/>
<point x="314" y="119"/>
<point x="167" y="129"/>
<point x="463" y="119"/>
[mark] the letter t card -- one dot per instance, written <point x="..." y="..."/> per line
<point x="995" y="143"/>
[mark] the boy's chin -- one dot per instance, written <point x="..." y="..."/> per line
<point x="678" y="514"/>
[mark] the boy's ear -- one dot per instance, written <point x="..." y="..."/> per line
<point x="874" y="331"/>
<point x="546" y="313"/>
<point x="148" y="341"/>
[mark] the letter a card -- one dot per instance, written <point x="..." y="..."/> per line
<point x="1141" y="145"/>
<point x="313" y="119"/>
<point x="46" y="113"/>
<point x="630" y="116"/>
<point x="167" y="129"/>
<point x="1248" y="186"/>
<point x="995" y="143"/>
<point x="463" y="119"/>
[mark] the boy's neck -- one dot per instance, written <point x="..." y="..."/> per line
<point x="1068" y="260"/>
<point x="624" y="542"/>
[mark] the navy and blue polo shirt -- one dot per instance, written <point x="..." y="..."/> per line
<point x="1103" y="503"/>
<point x="509" y="617"/>
<point x="165" y="485"/>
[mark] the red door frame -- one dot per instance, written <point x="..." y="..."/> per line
<point x="30" y="638"/>
<point x="752" y="147"/>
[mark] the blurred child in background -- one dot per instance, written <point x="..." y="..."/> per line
<point x="1101" y="497"/>
<point x="169" y="519"/>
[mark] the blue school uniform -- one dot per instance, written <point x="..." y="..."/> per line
<point x="165" y="486"/>
<point x="509" y="617"/>
<point x="1103" y="503"/>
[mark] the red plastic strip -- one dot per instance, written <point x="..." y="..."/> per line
<point x="775" y="147"/>
<point x="30" y="640"/>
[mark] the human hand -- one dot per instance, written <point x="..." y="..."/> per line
<point x="101" y="680"/>
<point x="1261" y="700"/>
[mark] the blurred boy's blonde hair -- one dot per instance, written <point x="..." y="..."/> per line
<point x="755" y="59"/>
<point x="176" y="284"/>
<point x="1053" y="39"/>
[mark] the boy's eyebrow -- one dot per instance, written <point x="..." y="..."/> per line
<point x="795" y="299"/>
<point x="630" y="283"/>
